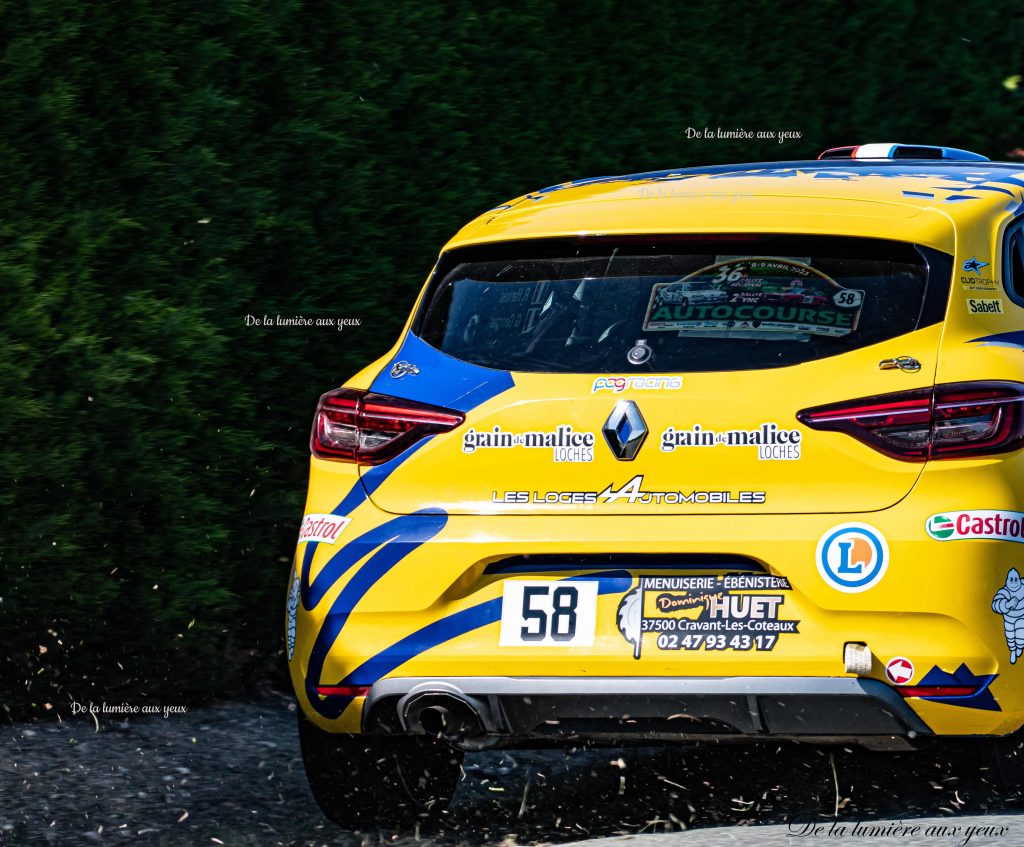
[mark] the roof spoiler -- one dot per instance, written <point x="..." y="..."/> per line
<point x="901" y="151"/>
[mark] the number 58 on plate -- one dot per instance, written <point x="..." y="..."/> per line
<point x="548" y="613"/>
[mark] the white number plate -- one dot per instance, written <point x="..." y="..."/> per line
<point x="537" y="613"/>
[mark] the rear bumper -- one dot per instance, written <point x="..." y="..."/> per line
<point x="406" y="598"/>
<point x="517" y="709"/>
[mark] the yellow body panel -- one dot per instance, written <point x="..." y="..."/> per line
<point x="412" y="595"/>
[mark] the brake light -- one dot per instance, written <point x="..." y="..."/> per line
<point x="356" y="426"/>
<point x="343" y="690"/>
<point x="952" y="421"/>
<point x="937" y="690"/>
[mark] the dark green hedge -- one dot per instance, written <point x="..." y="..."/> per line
<point x="167" y="168"/>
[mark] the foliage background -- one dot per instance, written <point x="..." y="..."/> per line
<point x="167" y="168"/>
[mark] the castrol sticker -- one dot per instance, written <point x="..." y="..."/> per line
<point x="990" y="524"/>
<point x="322" y="528"/>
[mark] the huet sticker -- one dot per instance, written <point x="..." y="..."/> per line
<point x="719" y="612"/>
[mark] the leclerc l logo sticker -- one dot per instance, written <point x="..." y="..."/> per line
<point x="991" y="524"/>
<point x="852" y="557"/>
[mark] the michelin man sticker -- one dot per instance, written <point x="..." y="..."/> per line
<point x="1009" y="602"/>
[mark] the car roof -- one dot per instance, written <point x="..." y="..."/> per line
<point x="916" y="200"/>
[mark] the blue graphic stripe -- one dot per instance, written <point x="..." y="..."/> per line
<point x="442" y="380"/>
<point x="1002" y="339"/>
<point x="396" y="539"/>
<point x="443" y="630"/>
<point x="373" y="477"/>
<point x="447" y="382"/>
<point x="980" y="699"/>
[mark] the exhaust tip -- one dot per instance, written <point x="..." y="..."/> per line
<point x="442" y="715"/>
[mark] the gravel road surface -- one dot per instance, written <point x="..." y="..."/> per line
<point x="231" y="774"/>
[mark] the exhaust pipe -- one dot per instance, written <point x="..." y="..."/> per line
<point x="443" y="715"/>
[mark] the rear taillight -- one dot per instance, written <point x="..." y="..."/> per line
<point x="958" y="420"/>
<point x="356" y="426"/>
<point x="343" y="690"/>
<point x="937" y="690"/>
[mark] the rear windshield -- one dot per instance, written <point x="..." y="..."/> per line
<point x="737" y="303"/>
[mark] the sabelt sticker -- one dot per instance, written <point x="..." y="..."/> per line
<point x="899" y="671"/>
<point x="322" y="528"/>
<point x="722" y="612"/>
<point x="762" y="297"/>
<point x="977" y="524"/>
<point x="985" y="306"/>
<point x="852" y="557"/>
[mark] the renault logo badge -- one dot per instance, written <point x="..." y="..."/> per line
<point x="625" y="430"/>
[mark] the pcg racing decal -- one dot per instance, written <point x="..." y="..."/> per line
<point x="618" y="384"/>
<point x="721" y="612"/>
<point x="1009" y="602"/>
<point x="899" y="671"/>
<point x="852" y="557"/>
<point x="772" y="441"/>
<point x="566" y="444"/>
<point x="756" y="296"/>
<point x="991" y="524"/>
<point x="324" y="529"/>
<point x="633" y="494"/>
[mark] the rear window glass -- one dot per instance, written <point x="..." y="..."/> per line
<point x="595" y="306"/>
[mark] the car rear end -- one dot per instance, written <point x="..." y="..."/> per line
<point x="565" y="506"/>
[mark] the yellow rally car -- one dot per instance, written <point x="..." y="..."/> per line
<point x="725" y="453"/>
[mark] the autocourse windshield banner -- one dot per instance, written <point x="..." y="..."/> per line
<point x="757" y="296"/>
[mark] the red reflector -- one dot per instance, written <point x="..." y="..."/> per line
<point x="343" y="690"/>
<point x="936" y="690"/>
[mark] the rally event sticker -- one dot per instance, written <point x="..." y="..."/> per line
<point x="718" y="612"/>
<point x="760" y="297"/>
